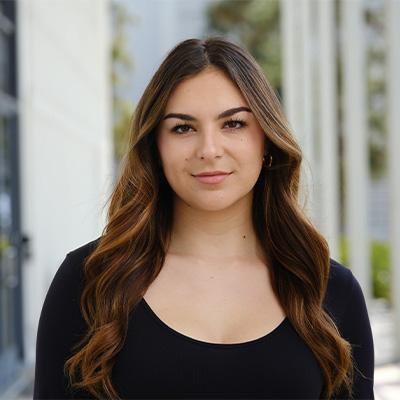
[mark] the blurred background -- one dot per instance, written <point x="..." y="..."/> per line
<point x="71" y="73"/>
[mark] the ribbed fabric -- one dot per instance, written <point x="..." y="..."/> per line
<point x="156" y="361"/>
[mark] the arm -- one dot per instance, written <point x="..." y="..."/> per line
<point x="356" y="329"/>
<point x="60" y="326"/>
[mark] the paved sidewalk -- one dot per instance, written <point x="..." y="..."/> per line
<point x="387" y="370"/>
<point x="387" y="382"/>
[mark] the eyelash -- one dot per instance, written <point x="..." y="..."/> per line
<point x="174" y="129"/>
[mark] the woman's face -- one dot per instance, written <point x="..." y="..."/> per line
<point x="206" y="137"/>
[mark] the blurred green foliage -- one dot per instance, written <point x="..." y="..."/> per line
<point x="380" y="263"/>
<point x="376" y="71"/>
<point x="255" y="23"/>
<point x="5" y="243"/>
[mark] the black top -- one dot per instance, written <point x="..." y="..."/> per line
<point x="158" y="362"/>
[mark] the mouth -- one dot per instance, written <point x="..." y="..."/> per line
<point x="212" y="173"/>
<point x="212" y="178"/>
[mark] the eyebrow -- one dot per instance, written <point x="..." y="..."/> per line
<point x="226" y="113"/>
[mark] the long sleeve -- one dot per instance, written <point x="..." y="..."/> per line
<point x="356" y="329"/>
<point x="60" y="326"/>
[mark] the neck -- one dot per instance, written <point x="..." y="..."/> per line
<point x="223" y="236"/>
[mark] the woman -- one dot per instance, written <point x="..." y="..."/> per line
<point x="208" y="281"/>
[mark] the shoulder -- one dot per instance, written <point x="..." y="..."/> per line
<point x="345" y="302"/>
<point x="66" y="285"/>
<point x="71" y="266"/>
<point x="60" y="325"/>
<point x="340" y="277"/>
<point x="343" y="289"/>
<point x="65" y="288"/>
<point x="79" y="254"/>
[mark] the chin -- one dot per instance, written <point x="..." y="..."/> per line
<point x="211" y="205"/>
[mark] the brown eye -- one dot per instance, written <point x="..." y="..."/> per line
<point x="179" y="126"/>
<point x="235" y="123"/>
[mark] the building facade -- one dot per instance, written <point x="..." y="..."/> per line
<point x="56" y="155"/>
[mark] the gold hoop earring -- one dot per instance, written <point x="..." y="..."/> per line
<point x="270" y="160"/>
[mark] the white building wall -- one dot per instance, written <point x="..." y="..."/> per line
<point x="65" y="130"/>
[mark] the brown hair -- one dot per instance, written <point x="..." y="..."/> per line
<point x="134" y="242"/>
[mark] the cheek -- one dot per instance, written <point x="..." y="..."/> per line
<point x="251" y="159"/>
<point x="252" y="144"/>
<point x="251" y="153"/>
<point x="170" y="153"/>
<point x="174" y="166"/>
<point x="248" y="176"/>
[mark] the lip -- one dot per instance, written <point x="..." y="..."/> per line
<point x="211" y="173"/>
<point x="216" y="178"/>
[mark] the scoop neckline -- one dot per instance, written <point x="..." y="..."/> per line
<point x="180" y="335"/>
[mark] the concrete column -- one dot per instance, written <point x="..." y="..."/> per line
<point x="328" y="161"/>
<point x="306" y="105"/>
<point x="392" y="16"/>
<point x="297" y="77"/>
<point x="355" y="140"/>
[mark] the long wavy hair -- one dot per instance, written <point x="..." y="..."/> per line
<point x="131" y="250"/>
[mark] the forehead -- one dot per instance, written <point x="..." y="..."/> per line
<point x="211" y="88"/>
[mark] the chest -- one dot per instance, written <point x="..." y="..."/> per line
<point x="156" y="362"/>
<point x="216" y="305"/>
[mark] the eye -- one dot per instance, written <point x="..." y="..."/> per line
<point x="236" y="122"/>
<point x="232" y="123"/>
<point x="179" y="126"/>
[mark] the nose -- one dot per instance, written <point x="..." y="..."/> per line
<point x="209" y="144"/>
